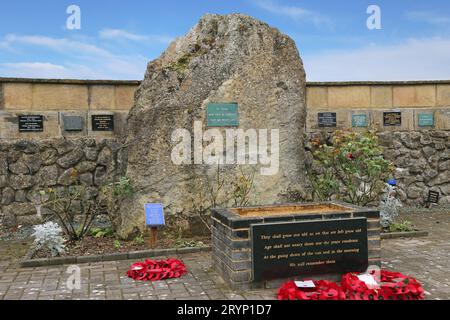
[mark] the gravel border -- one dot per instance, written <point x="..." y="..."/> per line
<point x="397" y="235"/>
<point x="27" y="262"/>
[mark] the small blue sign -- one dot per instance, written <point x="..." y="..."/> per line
<point x="154" y="215"/>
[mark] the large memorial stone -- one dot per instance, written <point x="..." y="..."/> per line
<point x="231" y="59"/>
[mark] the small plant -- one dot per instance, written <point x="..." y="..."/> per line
<point x="139" y="240"/>
<point x="113" y="195"/>
<point x="117" y="244"/>
<point x="73" y="206"/>
<point x="188" y="244"/>
<point x="404" y="226"/>
<point x="389" y="207"/>
<point x="102" y="232"/>
<point x="242" y="188"/>
<point x="48" y="236"/>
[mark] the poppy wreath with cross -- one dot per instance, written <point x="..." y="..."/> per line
<point x="323" y="290"/>
<point x="393" y="286"/>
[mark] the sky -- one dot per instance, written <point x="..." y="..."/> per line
<point x="117" y="39"/>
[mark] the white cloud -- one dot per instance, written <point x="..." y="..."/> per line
<point x="414" y="59"/>
<point x="34" y="70"/>
<point x="294" y="12"/>
<point x="80" y="60"/>
<point x="57" y="44"/>
<point x="429" y="17"/>
<point x="118" y="34"/>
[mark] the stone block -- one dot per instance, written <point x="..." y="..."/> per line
<point x="125" y="97"/>
<point x="342" y="120"/>
<point x="317" y="97"/>
<point x="414" y="96"/>
<point x="60" y="97"/>
<point x="102" y="97"/>
<point x="347" y="97"/>
<point x="443" y="95"/>
<point x="381" y="97"/>
<point x="9" y="126"/>
<point x="17" y="96"/>
<point x="442" y="118"/>
<point x="407" y="120"/>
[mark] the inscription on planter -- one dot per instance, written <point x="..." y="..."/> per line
<point x="392" y="119"/>
<point x="327" y="120"/>
<point x="31" y="123"/>
<point x="223" y="115"/>
<point x="103" y="122"/>
<point x="282" y="250"/>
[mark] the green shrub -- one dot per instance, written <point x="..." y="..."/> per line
<point x="351" y="167"/>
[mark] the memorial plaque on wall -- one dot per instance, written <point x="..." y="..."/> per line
<point x="222" y="115"/>
<point x="104" y="122"/>
<point x="327" y="120"/>
<point x="31" y="123"/>
<point x="392" y="119"/>
<point x="283" y="250"/>
<point x="73" y="123"/>
<point x="426" y="119"/>
<point x="359" y="120"/>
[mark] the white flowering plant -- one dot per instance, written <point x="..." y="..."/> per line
<point x="48" y="236"/>
<point x="389" y="206"/>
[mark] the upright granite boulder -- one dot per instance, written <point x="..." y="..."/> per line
<point x="223" y="59"/>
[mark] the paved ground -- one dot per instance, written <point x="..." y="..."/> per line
<point x="427" y="259"/>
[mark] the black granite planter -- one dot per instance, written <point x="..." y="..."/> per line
<point x="258" y="246"/>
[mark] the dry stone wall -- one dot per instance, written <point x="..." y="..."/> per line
<point x="423" y="164"/>
<point x="27" y="167"/>
<point x="422" y="161"/>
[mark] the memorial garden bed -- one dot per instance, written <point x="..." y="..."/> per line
<point x="92" y="249"/>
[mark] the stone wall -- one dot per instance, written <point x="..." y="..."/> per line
<point x="27" y="167"/>
<point x="55" y="99"/>
<point x="371" y="99"/>
<point x="422" y="159"/>
<point x="423" y="164"/>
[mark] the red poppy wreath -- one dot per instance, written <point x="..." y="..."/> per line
<point x="393" y="286"/>
<point x="323" y="290"/>
<point x="151" y="270"/>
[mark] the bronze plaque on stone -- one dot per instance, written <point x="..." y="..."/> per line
<point x="31" y="123"/>
<point x="392" y="119"/>
<point x="310" y="248"/>
<point x="102" y="122"/>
